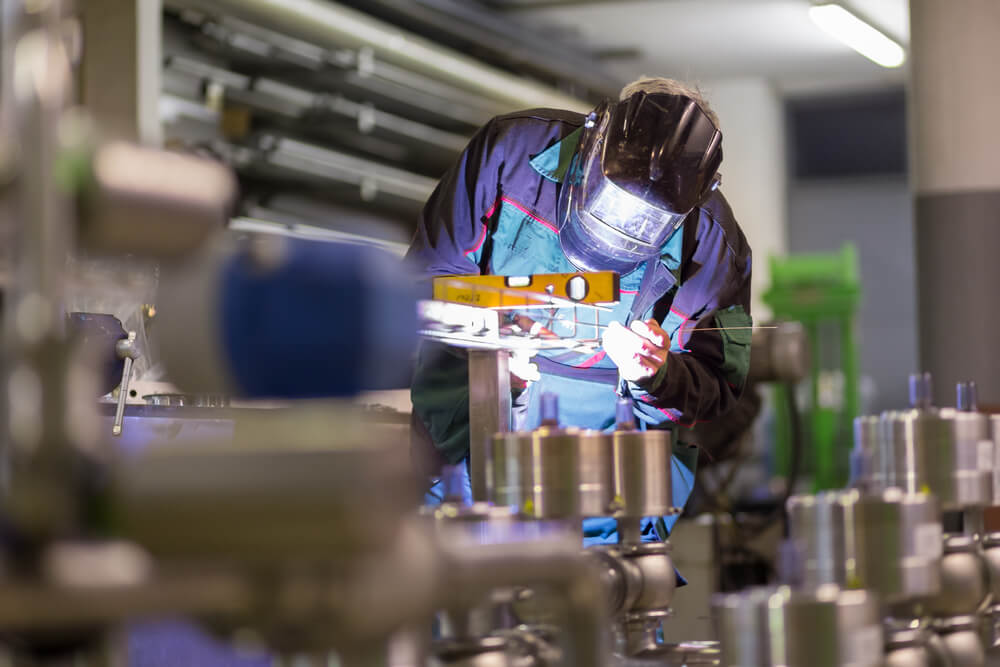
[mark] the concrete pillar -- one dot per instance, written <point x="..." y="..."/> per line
<point x="956" y="165"/>
<point x="753" y="170"/>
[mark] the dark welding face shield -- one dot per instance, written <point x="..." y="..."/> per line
<point x="642" y="165"/>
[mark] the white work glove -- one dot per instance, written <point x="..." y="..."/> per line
<point x="522" y="371"/>
<point x="638" y="351"/>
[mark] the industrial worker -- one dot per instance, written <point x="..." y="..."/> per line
<point x="631" y="187"/>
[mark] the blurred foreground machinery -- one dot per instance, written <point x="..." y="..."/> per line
<point x="283" y="531"/>
<point x="899" y="569"/>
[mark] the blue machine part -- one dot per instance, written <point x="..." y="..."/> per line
<point x="325" y="320"/>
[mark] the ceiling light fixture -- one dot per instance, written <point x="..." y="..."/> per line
<point x="837" y="21"/>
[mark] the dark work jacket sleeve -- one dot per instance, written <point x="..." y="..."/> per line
<point x="707" y="367"/>
<point x="452" y="227"/>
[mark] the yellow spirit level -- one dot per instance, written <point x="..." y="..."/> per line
<point x="532" y="291"/>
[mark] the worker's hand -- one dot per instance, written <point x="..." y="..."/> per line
<point x="522" y="371"/>
<point x="639" y="351"/>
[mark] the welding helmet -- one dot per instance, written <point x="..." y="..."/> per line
<point x="641" y="166"/>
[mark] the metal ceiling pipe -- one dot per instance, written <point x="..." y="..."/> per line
<point x="330" y="24"/>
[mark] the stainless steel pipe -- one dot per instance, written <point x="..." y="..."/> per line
<point x="331" y="25"/>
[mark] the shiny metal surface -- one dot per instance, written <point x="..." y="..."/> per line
<point x="914" y="644"/>
<point x="742" y="626"/>
<point x="657" y="580"/>
<point x="990" y="633"/>
<point x="961" y="641"/>
<point x="489" y="411"/>
<point x="995" y="435"/>
<point x="864" y="473"/>
<point x="908" y="648"/>
<point x="824" y="628"/>
<point x="595" y="473"/>
<point x="290" y="471"/>
<point x="553" y="473"/>
<point x="642" y="481"/>
<point x="946" y="452"/>
<point x="484" y="652"/>
<point x="125" y="349"/>
<point x="819" y="525"/>
<point x="964" y="579"/>
<point x="188" y="400"/>
<point x="683" y="653"/>
<point x="898" y="544"/>
<point x="991" y="558"/>
<point x="779" y="354"/>
<point x="640" y="579"/>
<point x="887" y="542"/>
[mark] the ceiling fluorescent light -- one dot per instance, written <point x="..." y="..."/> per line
<point x="857" y="34"/>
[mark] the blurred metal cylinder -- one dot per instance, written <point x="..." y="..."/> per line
<point x="961" y="640"/>
<point x="553" y="473"/>
<point x="484" y="652"/>
<point x="827" y="627"/>
<point x="595" y="473"/>
<point x="995" y="435"/>
<point x="989" y="631"/>
<point x="897" y="544"/>
<point x="741" y="624"/>
<point x="908" y="648"/>
<point x="151" y="202"/>
<point x="780" y="354"/>
<point x="964" y="582"/>
<point x="947" y="453"/>
<point x="504" y="470"/>
<point x="818" y="525"/>
<point x="308" y="482"/>
<point x="991" y="558"/>
<point x="887" y="542"/>
<point x="642" y="481"/>
<point x="864" y="471"/>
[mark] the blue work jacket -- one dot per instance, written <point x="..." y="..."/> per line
<point x="494" y="212"/>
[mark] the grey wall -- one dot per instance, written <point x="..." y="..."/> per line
<point x="876" y="214"/>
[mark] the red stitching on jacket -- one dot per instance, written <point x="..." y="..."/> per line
<point x="593" y="360"/>
<point x="677" y="420"/>
<point x="489" y="213"/>
<point x="479" y="243"/>
<point x="680" y="327"/>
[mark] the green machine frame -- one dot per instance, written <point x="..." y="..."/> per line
<point x="823" y="292"/>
